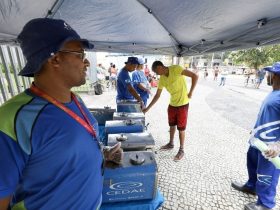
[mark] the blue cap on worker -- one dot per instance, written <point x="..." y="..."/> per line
<point x="275" y="68"/>
<point x="267" y="68"/>
<point x="141" y="61"/>
<point x="40" y="38"/>
<point x="132" y="60"/>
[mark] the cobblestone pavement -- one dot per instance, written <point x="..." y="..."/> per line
<point x="215" y="154"/>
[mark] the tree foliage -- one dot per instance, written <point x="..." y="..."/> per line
<point x="2" y="68"/>
<point x="275" y="53"/>
<point x="256" y="57"/>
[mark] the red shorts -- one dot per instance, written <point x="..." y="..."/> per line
<point x="178" y="116"/>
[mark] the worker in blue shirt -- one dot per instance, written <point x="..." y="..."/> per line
<point x="51" y="157"/>
<point x="125" y="90"/>
<point x="263" y="175"/>
<point x="140" y="82"/>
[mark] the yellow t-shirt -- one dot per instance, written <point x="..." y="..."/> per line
<point x="176" y="85"/>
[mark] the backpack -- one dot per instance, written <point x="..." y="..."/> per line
<point x="98" y="89"/>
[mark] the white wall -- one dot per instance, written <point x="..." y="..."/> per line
<point x="92" y="74"/>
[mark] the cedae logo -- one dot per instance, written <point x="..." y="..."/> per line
<point x="266" y="130"/>
<point x="123" y="188"/>
<point x="265" y="179"/>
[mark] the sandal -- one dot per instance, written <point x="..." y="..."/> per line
<point x="179" y="155"/>
<point x="168" y="146"/>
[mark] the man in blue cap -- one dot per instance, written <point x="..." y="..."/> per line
<point x="50" y="154"/>
<point x="263" y="176"/>
<point x="140" y="82"/>
<point x="125" y="90"/>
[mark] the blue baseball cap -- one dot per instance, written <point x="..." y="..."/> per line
<point x="40" y="38"/>
<point x="132" y="60"/>
<point x="141" y="61"/>
<point x="267" y="68"/>
<point x="275" y="68"/>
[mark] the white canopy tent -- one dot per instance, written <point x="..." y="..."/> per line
<point x="171" y="27"/>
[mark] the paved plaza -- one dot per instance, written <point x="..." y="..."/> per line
<point x="215" y="147"/>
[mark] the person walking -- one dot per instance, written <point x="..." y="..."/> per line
<point x="173" y="79"/>
<point x="140" y="82"/>
<point x="223" y="78"/>
<point x="263" y="176"/>
<point x="261" y="75"/>
<point x="205" y="73"/>
<point x="147" y="71"/>
<point x="50" y="155"/>
<point x="113" y="76"/>
<point x="216" y="73"/>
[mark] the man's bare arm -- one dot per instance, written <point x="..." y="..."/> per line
<point x="141" y="86"/>
<point x="4" y="203"/>
<point x="194" y="78"/>
<point x="155" y="98"/>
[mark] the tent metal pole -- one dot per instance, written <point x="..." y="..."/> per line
<point x="14" y="69"/>
<point x="7" y="72"/>
<point x="2" y="88"/>
<point x="57" y="4"/>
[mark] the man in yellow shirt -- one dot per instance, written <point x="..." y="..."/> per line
<point x="173" y="79"/>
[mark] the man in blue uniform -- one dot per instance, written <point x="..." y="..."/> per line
<point x="140" y="82"/>
<point x="50" y="154"/>
<point x="263" y="176"/>
<point x="125" y="90"/>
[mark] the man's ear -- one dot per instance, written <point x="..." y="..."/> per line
<point x="54" y="60"/>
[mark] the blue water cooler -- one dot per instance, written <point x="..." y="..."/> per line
<point x="128" y="106"/>
<point x="135" y="179"/>
<point x="129" y="116"/>
<point x="123" y="126"/>
<point x="132" y="141"/>
<point x="102" y="115"/>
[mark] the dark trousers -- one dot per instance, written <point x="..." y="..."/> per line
<point x="263" y="177"/>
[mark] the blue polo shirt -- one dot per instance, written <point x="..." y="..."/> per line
<point x="47" y="158"/>
<point x="137" y="78"/>
<point x="267" y="126"/>
<point x="123" y="81"/>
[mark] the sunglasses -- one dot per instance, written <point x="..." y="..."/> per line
<point x="82" y="54"/>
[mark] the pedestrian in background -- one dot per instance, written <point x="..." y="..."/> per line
<point x="113" y="76"/>
<point x="173" y="79"/>
<point x="223" y="77"/>
<point x="261" y="75"/>
<point x="205" y="73"/>
<point x="263" y="176"/>
<point x="216" y="73"/>
<point x="147" y="71"/>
